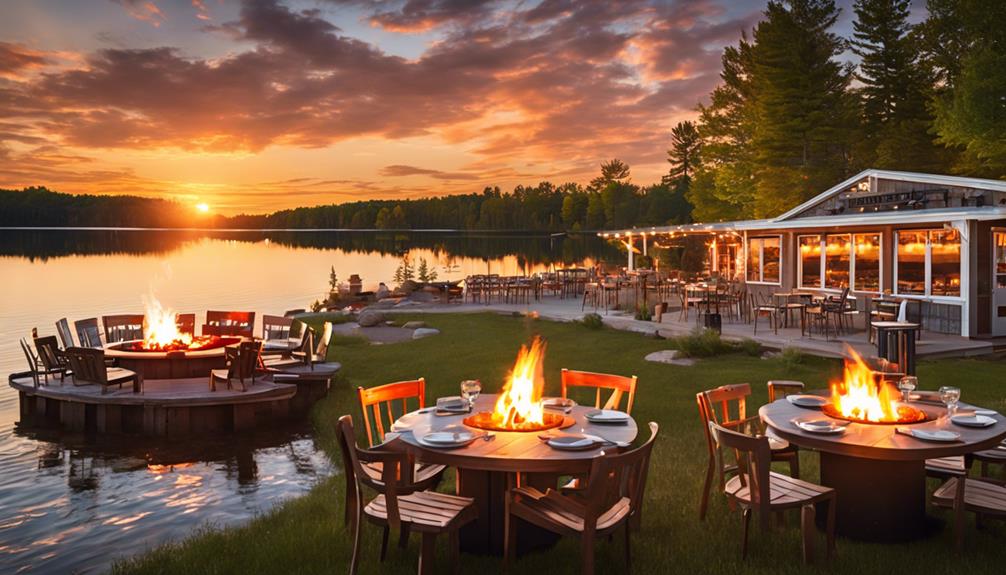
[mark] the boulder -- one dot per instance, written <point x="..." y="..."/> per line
<point x="424" y="332"/>
<point x="414" y="324"/>
<point x="670" y="357"/>
<point x="382" y="291"/>
<point x="370" y="318"/>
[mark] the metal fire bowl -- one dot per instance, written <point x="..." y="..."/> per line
<point x="484" y="420"/>
<point x="906" y="415"/>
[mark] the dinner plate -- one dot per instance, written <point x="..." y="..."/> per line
<point x="940" y="435"/>
<point x="606" y="416"/>
<point x="988" y="412"/>
<point x="571" y="442"/>
<point x="973" y="420"/>
<point x="560" y="403"/>
<point x="447" y="439"/>
<point x="810" y="401"/>
<point x="821" y="426"/>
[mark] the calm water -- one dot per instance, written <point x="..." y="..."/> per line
<point x="73" y="503"/>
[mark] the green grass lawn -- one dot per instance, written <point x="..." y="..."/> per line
<point x="306" y="535"/>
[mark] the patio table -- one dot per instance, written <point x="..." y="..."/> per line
<point x="879" y="474"/>
<point x="903" y="333"/>
<point x="483" y="465"/>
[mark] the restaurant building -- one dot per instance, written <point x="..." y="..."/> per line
<point x="937" y="241"/>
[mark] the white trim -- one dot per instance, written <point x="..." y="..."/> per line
<point x="761" y="259"/>
<point x="928" y="255"/>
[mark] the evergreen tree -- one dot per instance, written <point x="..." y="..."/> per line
<point x="614" y="171"/>
<point x="684" y="153"/>
<point x="895" y="89"/>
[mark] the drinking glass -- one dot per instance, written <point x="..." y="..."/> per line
<point x="950" y="396"/>
<point x="907" y="385"/>
<point x="470" y="390"/>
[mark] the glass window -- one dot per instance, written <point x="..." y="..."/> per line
<point x="945" y="246"/>
<point x="810" y="261"/>
<point x="763" y="260"/>
<point x="836" y="265"/>
<point x="912" y="262"/>
<point x="867" y="257"/>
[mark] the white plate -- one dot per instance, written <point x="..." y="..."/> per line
<point x="448" y="437"/>
<point x="822" y="426"/>
<point x="454" y="403"/>
<point x="935" y="435"/>
<point x="973" y="420"/>
<point x="558" y="403"/>
<point x="812" y="401"/>
<point x="571" y="442"/>
<point x="988" y="412"/>
<point x="606" y="416"/>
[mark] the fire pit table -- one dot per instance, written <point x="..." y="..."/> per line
<point x="483" y="465"/>
<point x="173" y="363"/>
<point x="880" y="474"/>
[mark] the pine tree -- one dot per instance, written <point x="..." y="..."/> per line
<point x="895" y="90"/>
<point x="684" y="153"/>
<point x="614" y="171"/>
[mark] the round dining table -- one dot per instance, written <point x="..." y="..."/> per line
<point x="484" y="464"/>
<point x="880" y="474"/>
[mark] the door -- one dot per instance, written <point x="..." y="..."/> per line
<point x="999" y="282"/>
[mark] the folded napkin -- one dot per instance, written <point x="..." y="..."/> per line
<point x="453" y="403"/>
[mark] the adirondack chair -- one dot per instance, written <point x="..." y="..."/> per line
<point x="88" y="367"/>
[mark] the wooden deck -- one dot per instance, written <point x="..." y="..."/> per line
<point x="167" y="407"/>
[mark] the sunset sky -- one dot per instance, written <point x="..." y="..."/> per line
<point x="258" y="105"/>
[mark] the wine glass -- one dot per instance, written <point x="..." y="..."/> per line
<point x="907" y="385"/>
<point x="470" y="390"/>
<point x="950" y="396"/>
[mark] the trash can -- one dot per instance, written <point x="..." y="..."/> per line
<point x="713" y="321"/>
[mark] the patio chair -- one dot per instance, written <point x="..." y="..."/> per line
<point x="381" y="402"/>
<point x="52" y="358"/>
<point x="994" y="456"/>
<point x="122" y="327"/>
<point x="984" y="497"/>
<point x="717" y="465"/>
<point x="88" y="333"/>
<point x="762" y="307"/>
<point x="400" y="503"/>
<point x="35" y="367"/>
<point x="64" y="333"/>
<point x="611" y="500"/>
<point x="88" y="367"/>
<point x="780" y="388"/>
<point x="186" y="323"/>
<point x="756" y="488"/>
<point x="229" y="323"/>
<point x="618" y="384"/>
<point x="242" y="362"/>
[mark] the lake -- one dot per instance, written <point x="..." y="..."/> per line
<point x="75" y="503"/>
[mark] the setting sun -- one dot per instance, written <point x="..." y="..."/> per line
<point x="202" y="207"/>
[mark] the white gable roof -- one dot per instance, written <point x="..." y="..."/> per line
<point x="935" y="179"/>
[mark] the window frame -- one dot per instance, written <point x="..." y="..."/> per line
<point x="823" y="264"/>
<point x="761" y="259"/>
<point x="928" y="292"/>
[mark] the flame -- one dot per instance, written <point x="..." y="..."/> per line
<point x="160" y="326"/>
<point x="519" y="404"/>
<point x="861" y="396"/>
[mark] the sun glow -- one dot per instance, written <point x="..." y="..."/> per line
<point x="203" y="208"/>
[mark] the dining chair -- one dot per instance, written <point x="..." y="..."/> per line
<point x="242" y="362"/>
<point x="984" y="497"/>
<point x="401" y="503"/>
<point x="756" y="488"/>
<point x="780" y="388"/>
<point x="761" y="307"/>
<point x="732" y="403"/>
<point x="618" y="384"/>
<point x="994" y="456"/>
<point x="610" y="501"/>
<point x="391" y="401"/>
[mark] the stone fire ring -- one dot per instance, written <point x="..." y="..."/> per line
<point x="173" y="364"/>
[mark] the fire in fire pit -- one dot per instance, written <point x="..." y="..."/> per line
<point x="864" y="397"/>
<point x="519" y="406"/>
<point x="161" y="332"/>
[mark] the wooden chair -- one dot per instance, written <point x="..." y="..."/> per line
<point x="612" y="498"/>
<point x="780" y="388"/>
<point x="756" y="487"/>
<point x="321" y="345"/>
<point x="275" y="327"/>
<point x="381" y="402"/>
<point x="229" y="323"/>
<point x="618" y="384"/>
<point x="52" y="358"/>
<point x="35" y="367"/>
<point x="64" y="333"/>
<point x="400" y="503"/>
<point x="122" y="327"/>
<point x="88" y="367"/>
<point x="724" y="397"/>
<point x="994" y="456"/>
<point x="186" y="323"/>
<point x="88" y="333"/>
<point x="242" y="361"/>
<point x="984" y="497"/>
<point x="764" y="308"/>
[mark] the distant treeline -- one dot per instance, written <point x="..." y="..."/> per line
<point x="609" y="201"/>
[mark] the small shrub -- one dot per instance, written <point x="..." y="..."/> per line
<point x="791" y="357"/>
<point x="750" y="347"/>
<point x="643" y="312"/>
<point x="592" y="321"/>
<point x="702" y="343"/>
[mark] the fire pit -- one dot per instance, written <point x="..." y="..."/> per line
<point x="863" y="396"/>
<point x="519" y="407"/>
<point x="197" y="343"/>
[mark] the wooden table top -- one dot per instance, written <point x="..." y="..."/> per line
<point x="890" y="325"/>
<point x="509" y="451"/>
<point x="877" y="441"/>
